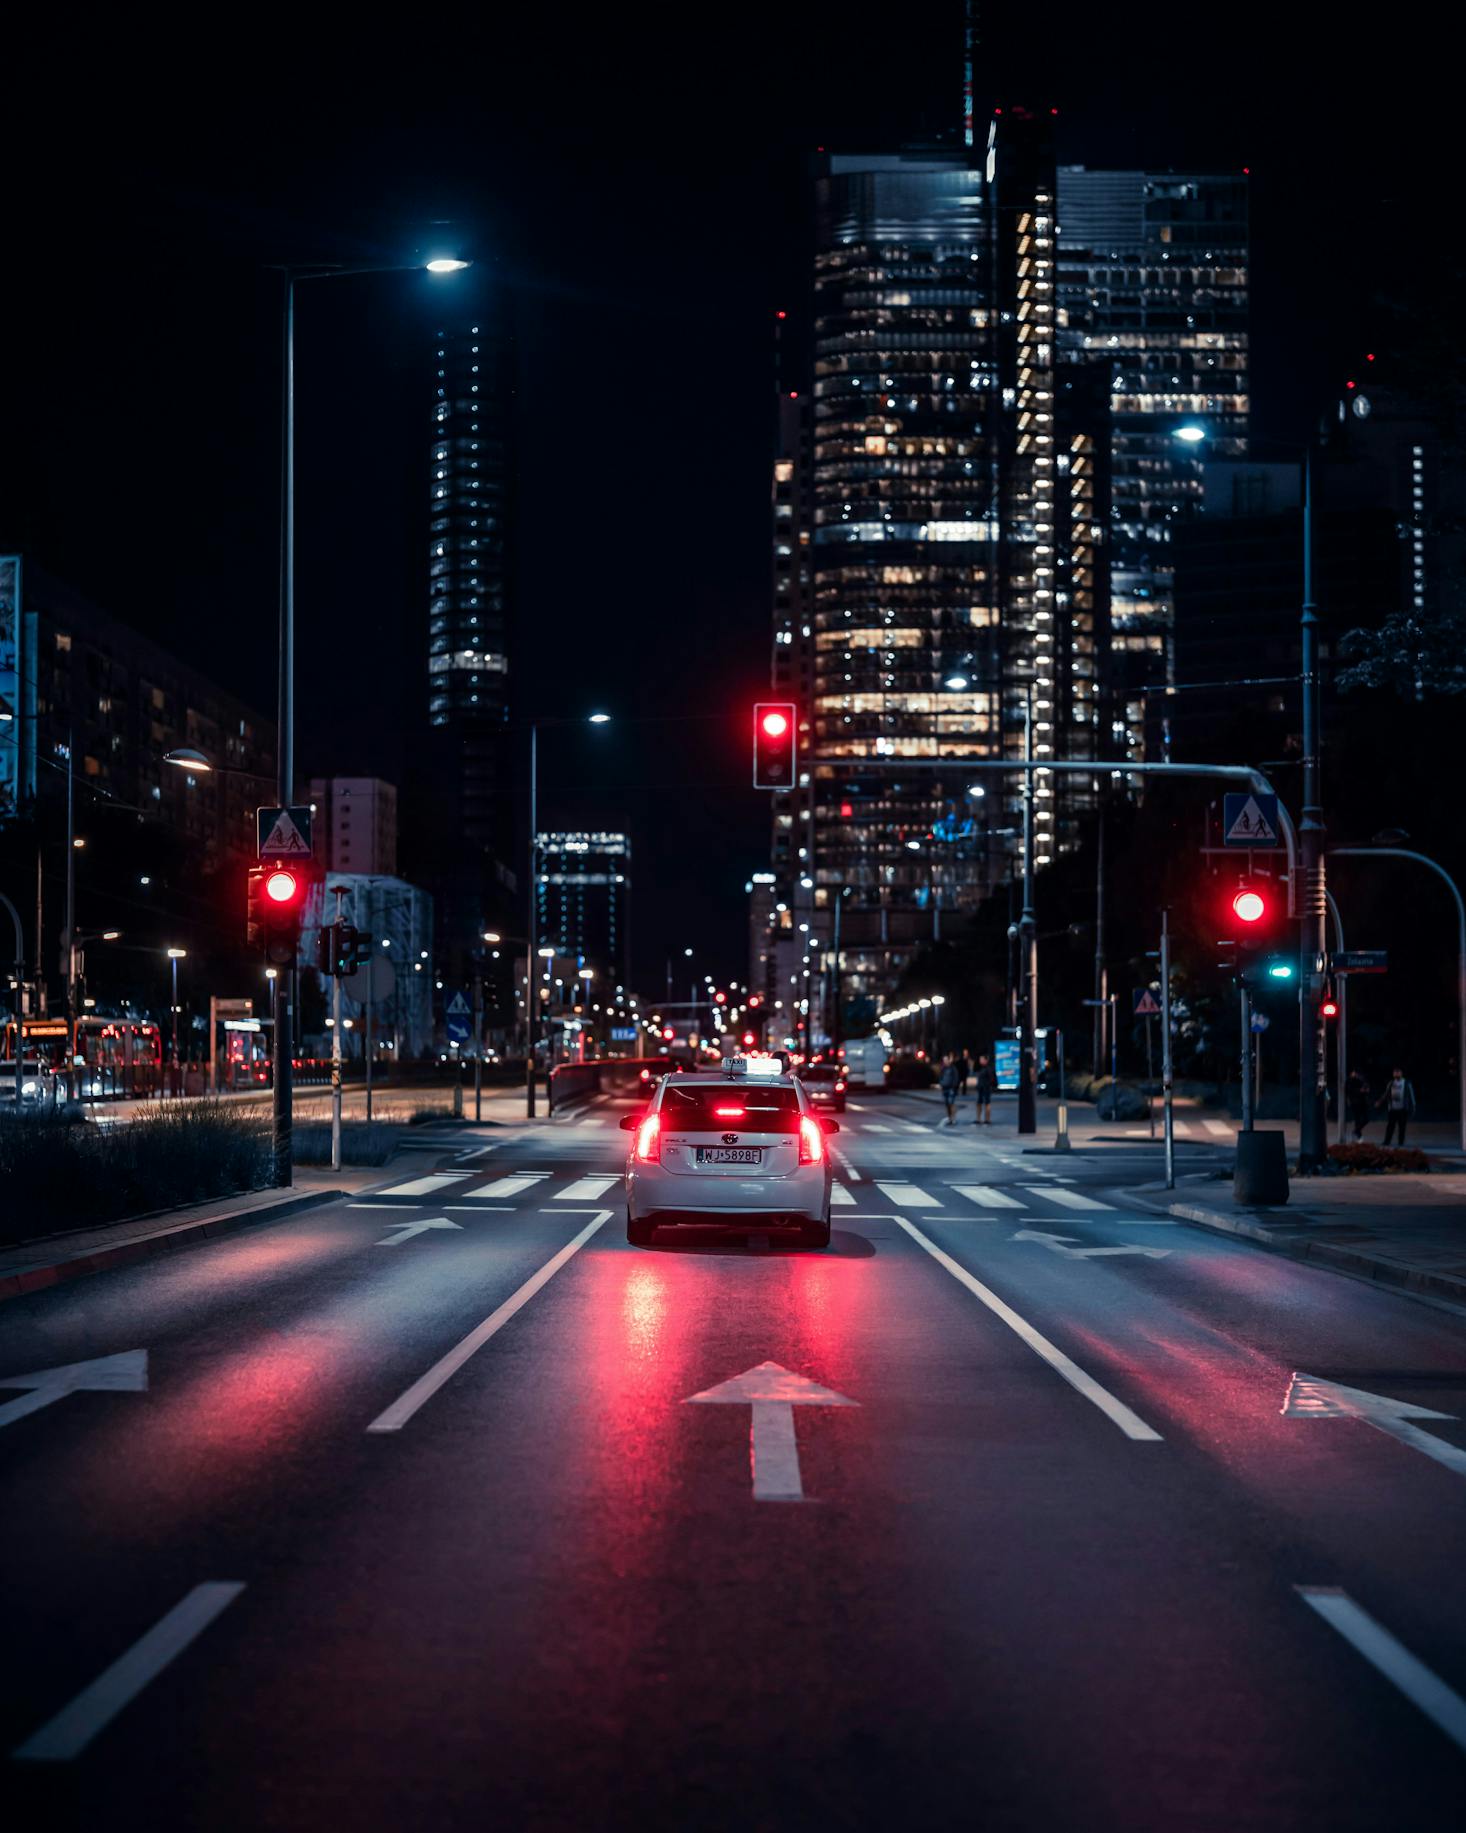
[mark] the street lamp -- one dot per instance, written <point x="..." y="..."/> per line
<point x="1310" y="893"/>
<point x="175" y="955"/>
<point x="283" y="1004"/>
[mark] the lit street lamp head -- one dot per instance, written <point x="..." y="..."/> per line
<point x="445" y="264"/>
<point x="188" y="759"/>
<point x="600" y="719"/>
<point x="177" y="954"/>
<point x="1191" y="434"/>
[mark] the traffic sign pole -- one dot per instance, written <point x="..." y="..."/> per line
<point x="336" y="1053"/>
<point x="1166" y="1078"/>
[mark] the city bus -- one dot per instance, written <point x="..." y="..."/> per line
<point x="119" y="1056"/>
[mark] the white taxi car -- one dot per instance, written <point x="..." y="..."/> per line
<point x="742" y="1148"/>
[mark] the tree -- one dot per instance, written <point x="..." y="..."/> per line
<point x="1412" y="653"/>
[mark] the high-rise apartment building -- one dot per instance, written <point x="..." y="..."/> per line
<point x="938" y="563"/>
<point x="355" y="824"/>
<point x="461" y="824"/>
<point x="1152" y="295"/>
<point x="583" y="900"/>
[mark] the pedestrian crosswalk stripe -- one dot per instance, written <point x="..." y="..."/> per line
<point x="425" y="1186"/>
<point x="986" y="1197"/>
<point x="839" y="1194"/>
<point x="584" y="1189"/>
<point x="1219" y="1127"/>
<point x="1067" y="1199"/>
<point x="914" y="1126"/>
<point x="876" y="1126"/>
<point x="907" y="1196"/>
<point x="511" y="1186"/>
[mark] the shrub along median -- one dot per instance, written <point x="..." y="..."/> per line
<point x="57" y="1172"/>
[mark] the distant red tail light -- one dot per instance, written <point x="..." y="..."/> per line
<point x="811" y="1141"/>
<point x="649" y="1140"/>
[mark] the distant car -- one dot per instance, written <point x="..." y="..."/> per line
<point x="824" y="1083"/>
<point x="740" y="1149"/>
<point x="909" y="1072"/>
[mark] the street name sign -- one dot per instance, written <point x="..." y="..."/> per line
<point x="283" y="833"/>
<point x="1361" y="961"/>
<point x="1146" y="1003"/>
<point x="1250" y="820"/>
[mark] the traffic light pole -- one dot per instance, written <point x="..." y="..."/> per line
<point x="531" y="987"/>
<point x="1167" y="1087"/>
<point x="1311" y="908"/>
<point x="336" y="966"/>
<point x="478" y="1040"/>
<point x="1245" y="998"/>
<point x="283" y="1005"/>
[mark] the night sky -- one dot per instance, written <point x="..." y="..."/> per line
<point x="642" y="193"/>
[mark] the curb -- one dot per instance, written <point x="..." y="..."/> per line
<point x="146" y="1247"/>
<point x="1377" y="1268"/>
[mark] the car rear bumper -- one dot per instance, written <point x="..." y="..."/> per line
<point x="731" y="1202"/>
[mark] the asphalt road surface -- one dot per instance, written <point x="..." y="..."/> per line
<point x="1020" y="1507"/>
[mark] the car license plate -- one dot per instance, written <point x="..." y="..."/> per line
<point x="729" y="1155"/>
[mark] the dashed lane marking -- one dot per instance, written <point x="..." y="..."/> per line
<point x="1425" y="1690"/>
<point x="74" y="1726"/>
<point x="841" y="1196"/>
<point x="423" y="1389"/>
<point x="1129" y="1422"/>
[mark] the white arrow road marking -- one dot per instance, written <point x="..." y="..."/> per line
<point x="986" y="1197"/>
<point x="126" y="1373"/>
<point x="907" y="1196"/>
<point x="1067" y="1199"/>
<point x="772" y="1393"/>
<point x="1130" y="1423"/>
<point x="425" y="1186"/>
<point x="423" y="1389"/>
<point x="585" y="1189"/>
<point x="1424" y="1689"/>
<point x="840" y="1196"/>
<point x="75" y="1725"/>
<point x="1057" y="1244"/>
<point x="1311" y="1398"/>
<point x="512" y="1185"/>
<point x="404" y="1231"/>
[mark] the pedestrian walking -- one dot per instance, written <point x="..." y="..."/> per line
<point x="1398" y="1102"/>
<point x="948" y="1082"/>
<point x="1356" y="1103"/>
<point x="986" y="1083"/>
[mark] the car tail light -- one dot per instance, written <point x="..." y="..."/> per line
<point x="811" y="1141"/>
<point x="649" y="1140"/>
<point x="730" y="1113"/>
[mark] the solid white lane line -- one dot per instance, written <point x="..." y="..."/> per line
<point x="585" y="1189"/>
<point x="512" y="1185"/>
<point x="841" y="1196"/>
<point x="74" y="1726"/>
<point x="1130" y="1423"/>
<point x="423" y="1389"/>
<point x="907" y="1196"/>
<point x="986" y="1196"/>
<point x="1066" y="1199"/>
<point x="425" y="1186"/>
<point x="1425" y="1690"/>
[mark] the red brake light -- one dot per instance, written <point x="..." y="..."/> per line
<point x="649" y="1140"/>
<point x="811" y="1140"/>
<point x="730" y="1113"/>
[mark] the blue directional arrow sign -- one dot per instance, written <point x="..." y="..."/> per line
<point x="458" y="1019"/>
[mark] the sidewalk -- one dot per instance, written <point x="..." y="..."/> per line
<point x="1406" y="1230"/>
<point x="390" y="1101"/>
<point x="48" y="1260"/>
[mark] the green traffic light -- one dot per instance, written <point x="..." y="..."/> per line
<point x="1280" y="970"/>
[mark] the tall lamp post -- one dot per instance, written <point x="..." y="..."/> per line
<point x="283" y="984"/>
<point x="175" y="955"/>
<point x="1309" y="898"/>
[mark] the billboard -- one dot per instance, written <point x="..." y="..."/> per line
<point x="17" y="692"/>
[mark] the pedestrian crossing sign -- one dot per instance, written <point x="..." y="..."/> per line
<point x="1146" y="1003"/>
<point x="1250" y="820"/>
<point x="283" y="833"/>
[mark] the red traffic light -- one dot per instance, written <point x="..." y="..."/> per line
<point x="720" y="999"/>
<point x="773" y="744"/>
<point x="1249" y="906"/>
<point x="775" y="724"/>
<point x="668" y="1033"/>
<point x="749" y="1038"/>
<point x="281" y="886"/>
<point x="1330" y="1008"/>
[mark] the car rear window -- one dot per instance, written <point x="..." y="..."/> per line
<point x="821" y="1072"/>
<point x="750" y="1108"/>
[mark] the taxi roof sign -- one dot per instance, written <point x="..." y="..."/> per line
<point x="754" y="1066"/>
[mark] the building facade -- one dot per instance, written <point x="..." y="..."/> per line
<point x="399" y="919"/>
<point x="1153" y="295"/>
<point x="583" y="901"/>
<point x="355" y="824"/>
<point x="939" y="558"/>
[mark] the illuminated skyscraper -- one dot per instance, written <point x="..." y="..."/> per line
<point x="1153" y="278"/>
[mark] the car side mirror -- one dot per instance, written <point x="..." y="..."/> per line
<point x="628" y="1123"/>
<point x="830" y="1126"/>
